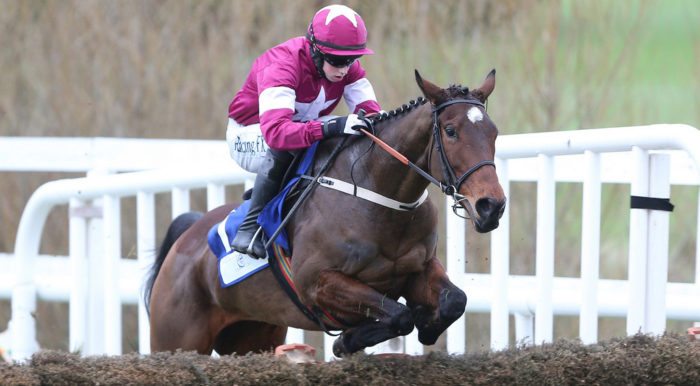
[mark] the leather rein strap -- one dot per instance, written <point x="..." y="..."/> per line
<point x="452" y="183"/>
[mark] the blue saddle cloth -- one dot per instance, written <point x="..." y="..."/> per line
<point x="220" y="237"/>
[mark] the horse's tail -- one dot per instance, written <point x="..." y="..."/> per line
<point x="175" y="230"/>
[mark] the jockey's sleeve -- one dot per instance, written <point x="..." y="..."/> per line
<point x="360" y="95"/>
<point x="276" y="104"/>
<point x="358" y="92"/>
<point x="278" y="129"/>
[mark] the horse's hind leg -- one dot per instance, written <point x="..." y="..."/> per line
<point x="435" y="301"/>
<point x="181" y="315"/>
<point x="181" y="325"/>
<point x="249" y="336"/>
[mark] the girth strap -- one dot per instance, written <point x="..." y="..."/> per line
<point x="280" y="264"/>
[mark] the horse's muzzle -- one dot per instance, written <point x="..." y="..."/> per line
<point x="488" y="212"/>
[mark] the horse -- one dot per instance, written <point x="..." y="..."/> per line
<point x="352" y="258"/>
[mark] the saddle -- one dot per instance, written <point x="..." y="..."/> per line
<point x="270" y="218"/>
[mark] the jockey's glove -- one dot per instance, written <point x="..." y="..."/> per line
<point x="350" y="124"/>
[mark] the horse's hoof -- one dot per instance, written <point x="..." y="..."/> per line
<point x="452" y="304"/>
<point x="422" y="316"/>
<point x="339" y="348"/>
<point x="428" y="337"/>
<point x="403" y="322"/>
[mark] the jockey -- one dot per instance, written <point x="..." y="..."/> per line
<point x="285" y="101"/>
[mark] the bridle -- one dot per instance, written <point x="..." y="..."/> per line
<point x="451" y="185"/>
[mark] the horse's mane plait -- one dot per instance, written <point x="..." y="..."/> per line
<point x="399" y="110"/>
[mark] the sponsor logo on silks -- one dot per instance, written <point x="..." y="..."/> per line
<point x="257" y="146"/>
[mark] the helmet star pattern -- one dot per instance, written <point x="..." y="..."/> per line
<point x="340" y="10"/>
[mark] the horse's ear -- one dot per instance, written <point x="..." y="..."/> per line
<point x="482" y="93"/>
<point x="431" y="91"/>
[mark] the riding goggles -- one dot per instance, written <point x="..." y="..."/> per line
<point x="338" y="61"/>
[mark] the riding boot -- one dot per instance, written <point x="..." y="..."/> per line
<point x="267" y="185"/>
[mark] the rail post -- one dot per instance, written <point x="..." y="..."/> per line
<point x="500" y="267"/>
<point x="657" y="260"/>
<point x="146" y="247"/>
<point x="590" y="249"/>
<point x="455" y="268"/>
<point x="648" y="250"/>
<point x="544" y="264"/>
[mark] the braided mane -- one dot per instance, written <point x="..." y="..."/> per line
<point x="413" y="103"/>
<point x="454" y="91"/>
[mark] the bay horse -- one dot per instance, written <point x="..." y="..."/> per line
<point x="351" y="257"/>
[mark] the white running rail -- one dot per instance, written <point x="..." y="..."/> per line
<point x="649" y="158"/>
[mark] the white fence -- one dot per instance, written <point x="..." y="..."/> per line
<point x="622" y="155"/>
<point x="648" y="157"/>
<point x="95" y="279"/>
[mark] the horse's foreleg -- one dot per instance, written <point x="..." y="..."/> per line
<point x="380" y="318"/>
<point x="435" y="302"/>
<point x="365" y="335"/>
<point x="351" y="300"/>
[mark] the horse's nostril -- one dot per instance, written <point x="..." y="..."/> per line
<point x="488" y="207"/>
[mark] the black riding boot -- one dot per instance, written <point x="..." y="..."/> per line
<point x="267" y="185"/>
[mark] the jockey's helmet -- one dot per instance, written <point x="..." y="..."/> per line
<point x="338" y="30"/>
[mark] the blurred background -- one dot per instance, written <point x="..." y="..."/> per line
<point x="168" y="69"/>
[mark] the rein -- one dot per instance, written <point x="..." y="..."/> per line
<point x="306" y="192"/>
<point x="452" y="183"/>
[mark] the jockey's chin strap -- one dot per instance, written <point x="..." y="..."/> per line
<point x="452" y="183"/>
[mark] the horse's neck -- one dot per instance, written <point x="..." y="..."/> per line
<point x="409" y="135"/>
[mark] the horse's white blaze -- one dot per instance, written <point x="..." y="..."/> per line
<point x="475" y="115"/>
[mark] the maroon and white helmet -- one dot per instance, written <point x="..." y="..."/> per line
<point x="338" y="30"/>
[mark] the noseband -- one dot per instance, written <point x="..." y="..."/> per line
<point x="452" y="183"/>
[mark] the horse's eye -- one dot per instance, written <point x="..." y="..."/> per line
<point x="450" y="131"/>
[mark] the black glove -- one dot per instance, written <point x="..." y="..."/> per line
<point x="350" y="124"/>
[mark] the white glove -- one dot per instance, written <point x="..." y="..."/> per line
<point x="348" y="125"/>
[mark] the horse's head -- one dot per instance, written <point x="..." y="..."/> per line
<point x="465" y="143"/>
